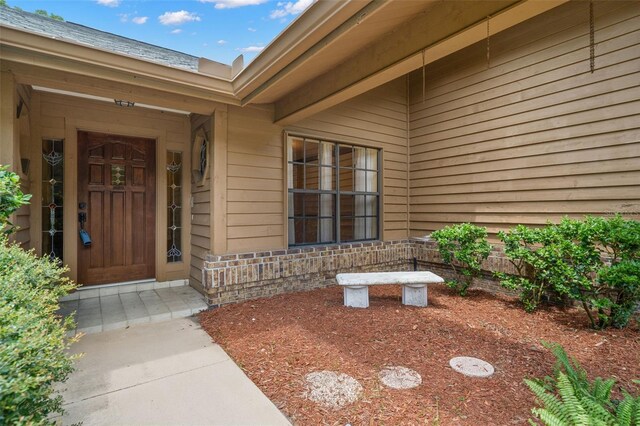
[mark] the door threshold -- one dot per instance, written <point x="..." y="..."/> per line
<point x="122" y="287"/>
<point x="123" y="283"/>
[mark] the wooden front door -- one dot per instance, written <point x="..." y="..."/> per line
<point x="117" y="191"/>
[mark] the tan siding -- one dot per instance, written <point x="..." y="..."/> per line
<point x="23" y="125"/>
<point x="255" y="200"/>
<point x="22" y="221"/>
<point x="201" y="210"/>
<point x="255" y="174"/>
<point x="378" y="119"/>
<point x="536" y="136"/>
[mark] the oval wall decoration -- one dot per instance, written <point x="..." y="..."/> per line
<point x="200" y="157"/>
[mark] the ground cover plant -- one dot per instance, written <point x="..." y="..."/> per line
<point x="463" y="247"/>
<point x="277" y="341"/>
<point x="570" y="398"/>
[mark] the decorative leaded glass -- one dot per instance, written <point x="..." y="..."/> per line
<point x="118" y="176"/>
<point x="174" y="201"/>
<point x="52" y="208"/>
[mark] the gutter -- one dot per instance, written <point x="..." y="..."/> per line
<point x="353" y="21"/>
<point x="295" y="41"/>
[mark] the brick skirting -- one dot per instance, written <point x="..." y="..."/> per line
<point x="236" y="277"/>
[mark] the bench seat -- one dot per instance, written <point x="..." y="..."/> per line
<point x="414" y="286"/>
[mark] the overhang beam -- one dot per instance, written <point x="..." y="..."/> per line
<point x="73" y="82"/>
<point x="22" y="47"/>
<point x="400" y="52"/>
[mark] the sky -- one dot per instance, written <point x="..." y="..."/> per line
<point x="219" y="30"/>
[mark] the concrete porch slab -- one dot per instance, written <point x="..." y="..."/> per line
<point x="167" y="373"/>
<point x="124" y="309"/>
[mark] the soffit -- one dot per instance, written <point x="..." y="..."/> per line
<point x="364" y="30"/>
<point x="321" y="19"/>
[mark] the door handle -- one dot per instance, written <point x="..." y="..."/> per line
<point x="85" y="238"/>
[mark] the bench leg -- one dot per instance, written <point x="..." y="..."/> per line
<point x="356" y="296"/>
<point x="414" y="295"/>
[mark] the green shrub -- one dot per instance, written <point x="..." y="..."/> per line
<point x="569" y="398"/>
<point x="593" y="262"/>
<point x="11" y="198"/>
<point x="617" y="238"/>
<point x="32" y="338"/>
<point x="617" y="293"/>
<point x="524" y="248"/>
<point x="463" y="246"/>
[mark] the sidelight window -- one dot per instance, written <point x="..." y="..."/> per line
<point x="174" y="206"/>
<point x="52" y="201"/>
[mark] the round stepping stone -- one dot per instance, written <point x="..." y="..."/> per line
<point x="472" y="367"/>
<point x="399" y="377"/>
<point x="332" y="390"/>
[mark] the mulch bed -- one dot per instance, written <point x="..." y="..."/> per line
<point x="277" y="341"/>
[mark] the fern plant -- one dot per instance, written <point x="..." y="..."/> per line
<point x="570" y="399"/>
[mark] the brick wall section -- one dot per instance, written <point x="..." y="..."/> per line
<point x="236" y="277"/>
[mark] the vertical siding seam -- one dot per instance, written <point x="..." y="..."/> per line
<point x="408" y="141"/>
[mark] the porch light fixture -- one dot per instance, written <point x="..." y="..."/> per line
<point x="123" y="103"/>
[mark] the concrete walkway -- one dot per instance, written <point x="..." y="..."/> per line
<point x="165" y="373"/>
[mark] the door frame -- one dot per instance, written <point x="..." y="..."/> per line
<point x="163" y="271"/>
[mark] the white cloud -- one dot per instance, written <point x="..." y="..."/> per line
<point x="221" y="42"/>
<point x="177" y="18"/>
<point x="250" y="49"/>
<point x="109" y="3"/>
<point x="140" y="20"/>
<point x="124" y="17"/>
<point x="230" y="4"/>
<point x="290" y="8"/>
<point x="253" y="30"/>
<point x="176" y="31"/>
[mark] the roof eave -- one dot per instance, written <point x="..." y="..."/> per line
<point x="313" y="25"/>
<point x="26" y="43"/>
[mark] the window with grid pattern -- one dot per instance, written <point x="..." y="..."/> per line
<point x="333" y="192"/>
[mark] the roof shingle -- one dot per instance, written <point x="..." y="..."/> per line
<point x="91" y="37"/>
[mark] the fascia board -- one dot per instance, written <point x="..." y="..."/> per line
<point x="68" y="50"/>
<point x="311" y="27"/>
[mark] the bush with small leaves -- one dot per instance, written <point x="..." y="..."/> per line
<point x="32" y="337"/>
<point x="11" y="198"/>
<point x="463" y="246"/>
<point x="592" y="262"/>
<point x="617" y="293"/>
<point x="523" y="247"/>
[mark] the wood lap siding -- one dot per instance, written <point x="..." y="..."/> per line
<point x="374" y="119"/>
<point x="255" y="187"/>
<point x="23" y="222"/>
<point x="255" y="171"/>
<point x="536" y="136"/>
<point x="201" y="210"/>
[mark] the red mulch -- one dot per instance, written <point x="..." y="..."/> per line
<point x="277" y="341"/>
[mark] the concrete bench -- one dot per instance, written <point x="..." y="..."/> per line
<point x="414" y="286"/>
